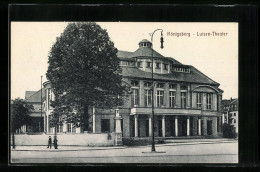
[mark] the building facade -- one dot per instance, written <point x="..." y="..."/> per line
<point x="37" y="123"/>
<point x="186" y="101"/>
<point x="230" y="112"/>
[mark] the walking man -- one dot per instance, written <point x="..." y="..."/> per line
<point x="49" y="142"/>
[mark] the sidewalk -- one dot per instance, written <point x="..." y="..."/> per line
<point x="88" y="148"/>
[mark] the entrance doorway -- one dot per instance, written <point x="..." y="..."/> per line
<point x="105" y="125"/>
<point x="147" y="128"/>
<point x="209" y="127"/>
<point x="172" y="127"/>
<point x="160" y="127"/>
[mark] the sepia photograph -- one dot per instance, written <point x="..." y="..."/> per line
<point x="124" y="92"/>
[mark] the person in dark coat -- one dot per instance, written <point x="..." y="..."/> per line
<point x="49" y="142"/>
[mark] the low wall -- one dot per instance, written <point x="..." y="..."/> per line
<point x="82" y="139"/>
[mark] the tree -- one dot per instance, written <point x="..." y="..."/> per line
<point x="84" y="71"/>
<point x="20" y="111"/>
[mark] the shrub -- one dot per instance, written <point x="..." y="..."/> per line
<point x="229" y="131"/>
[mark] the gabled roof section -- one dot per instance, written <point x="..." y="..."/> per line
<point x="234" y="102"/>
<point x="203" y="75"/>
<point x="29" y="93"/>
<point x="124" y="54"/>
<point x="36" y="97"/>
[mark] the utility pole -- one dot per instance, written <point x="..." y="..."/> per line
<point x="41" y="107"/>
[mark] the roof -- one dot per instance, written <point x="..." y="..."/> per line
<point x="29" y="93"/>
<point x="194" y="76"/>
<point x="123" y="54"/>
<point x="146" y="52"/>
<point x="36" y="96"/>
<point x="231" y="101"/>
<point x="144" y="40"/>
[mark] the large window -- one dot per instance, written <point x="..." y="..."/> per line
<point x="158" y="66"/>
<point x="165" y="66"/>
<point x="198" y="100"/>
<point x="209" y="100"/>
<point x="172" y="98"/>
<point x="159" y="98"/>
<point x="69" y="128"/>
<point x="139" y="64"/>
<point x="148" y="64"/>
<point x="135" y="97"/>
<point x="183" y="100"/>
<point x="147" y="97"/>
<point x="173" y="86"/>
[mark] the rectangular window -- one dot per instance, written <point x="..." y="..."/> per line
<point x="160" y="85"/>
<point x="165" y="66"/>
<point x="135" y="97"/>
<point x="148" y="64"/>
<point x="148" y="97"/>
<point x="69" y="128"/>
<point x="148" y="84"/>
<point x="217" y="103"/>
<point x="123" y="63"/>
<point x="198" y="100"/>
<point x="173" y="86"/>
<point x="235" y="121"/>
<point x="131" y="63"/>
<point x="159" y="98"/>
<point x="183" y="100"/>
<point x="135" y="83"/>
<point x="234" y="114"/>
<point x="158" y="66"/>
<point x="209" y="100"/>
<point x="139" y="64"/>
<point x="172" y="98"/>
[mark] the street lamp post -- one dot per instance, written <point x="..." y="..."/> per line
<point x="153" y="144"/>
<point x="41" y="107"/>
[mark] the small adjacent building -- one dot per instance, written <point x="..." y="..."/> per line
<point x="36" y="125"/>
<point x="230" y="112"/>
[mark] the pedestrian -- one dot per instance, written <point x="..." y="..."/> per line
<point x="49" y="142"/>
<point x="55" y="142"/>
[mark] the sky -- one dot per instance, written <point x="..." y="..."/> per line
<point x="215" y="56"/>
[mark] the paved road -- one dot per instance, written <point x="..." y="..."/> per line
<point x="170" y="153"/>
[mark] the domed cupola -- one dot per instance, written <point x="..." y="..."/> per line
<point x="145" y="43"/>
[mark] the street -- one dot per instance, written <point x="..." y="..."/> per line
<point x="211" y="152"/>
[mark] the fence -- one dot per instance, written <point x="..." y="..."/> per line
<point x="82" y="139"/>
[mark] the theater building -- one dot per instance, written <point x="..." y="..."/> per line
<point x="186" y="101"/>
